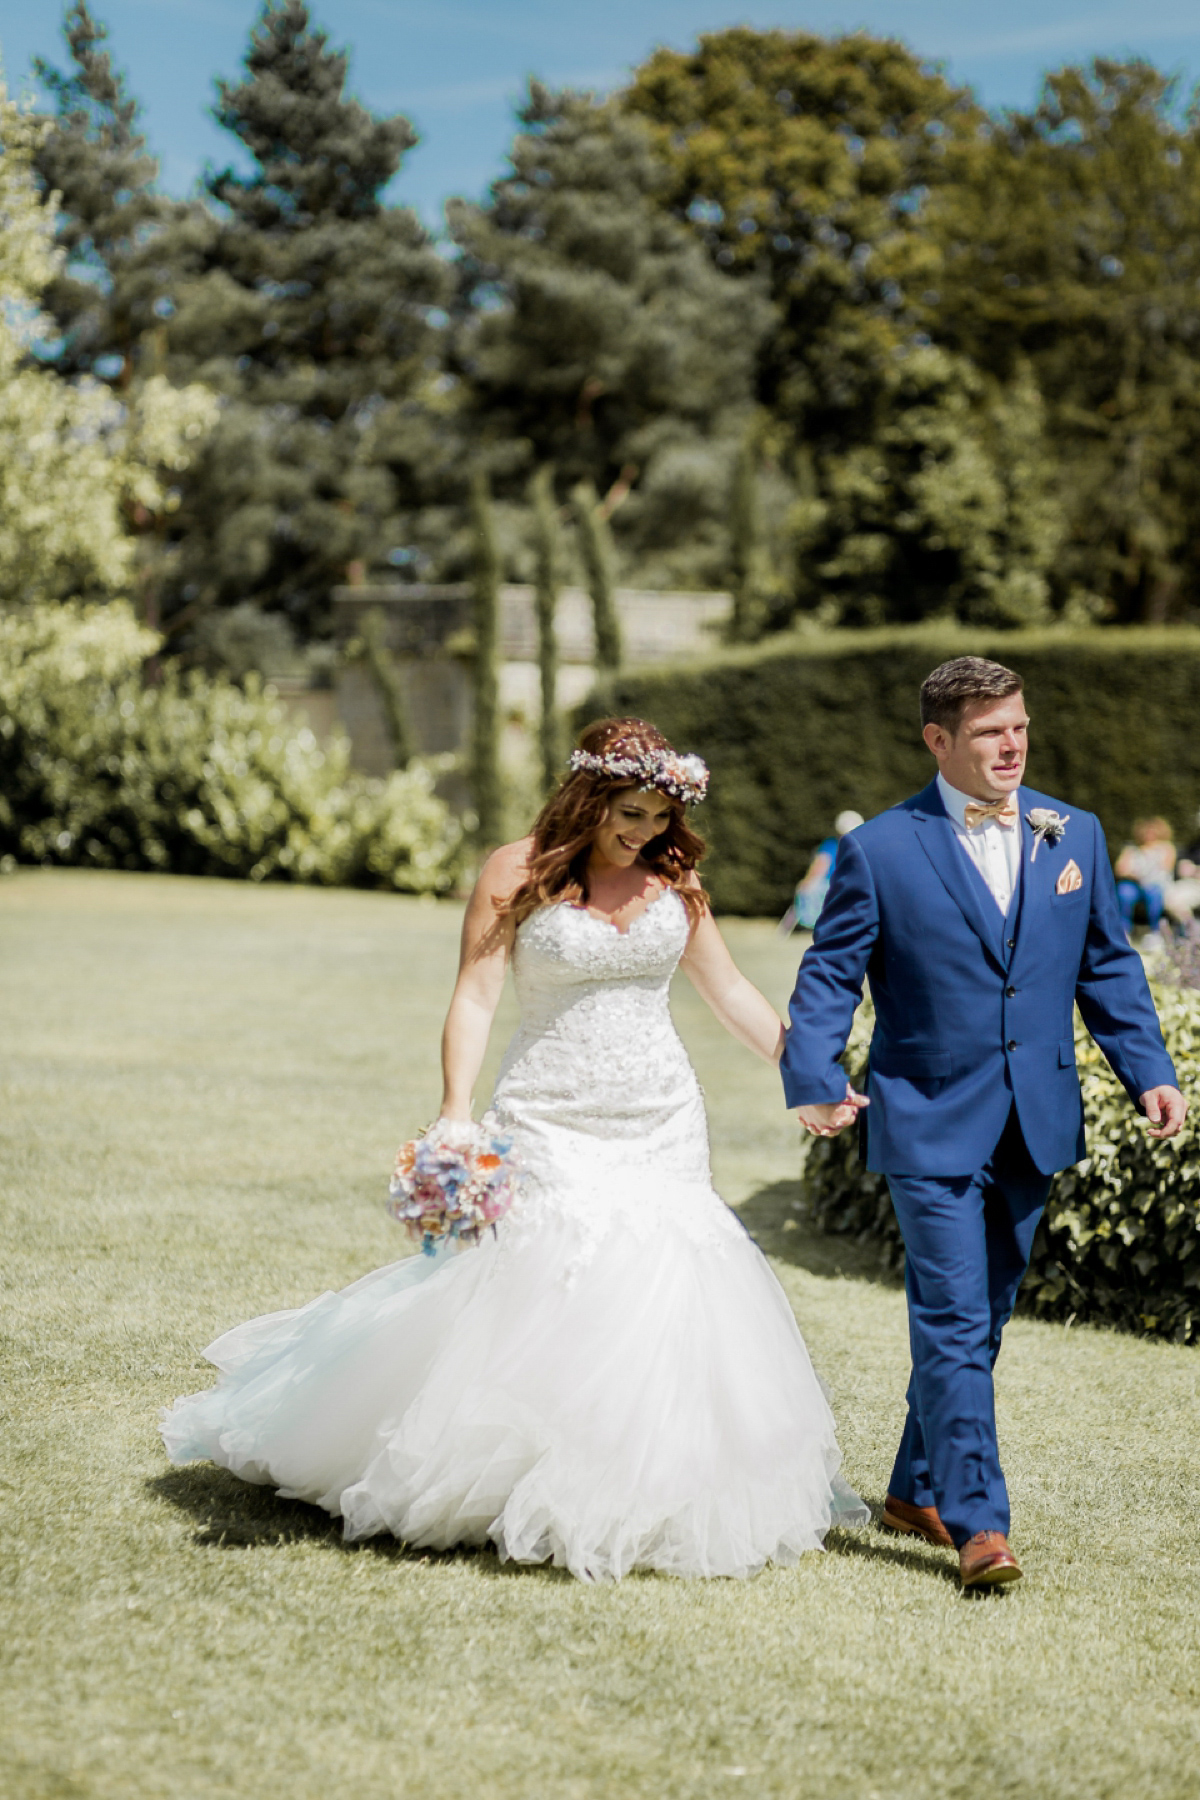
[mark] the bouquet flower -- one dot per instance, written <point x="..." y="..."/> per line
<point x="453" y="1183"/>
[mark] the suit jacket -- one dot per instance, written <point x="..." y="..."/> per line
<point x="973" y="1011"/>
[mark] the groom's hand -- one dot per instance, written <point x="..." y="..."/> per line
<point x="1166" y="1108"/>
<point x="827" y="1118"/>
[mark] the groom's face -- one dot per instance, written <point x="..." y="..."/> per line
<point x="985" y="757"/>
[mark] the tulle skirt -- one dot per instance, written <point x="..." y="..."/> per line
<point x="641" y="1402"/>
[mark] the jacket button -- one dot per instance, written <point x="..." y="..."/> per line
<point x="1011" y="992"/>
<point x="1012" y="1043"/>
<point x="1012" y="943"/>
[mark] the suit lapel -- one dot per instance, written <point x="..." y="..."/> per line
<point x="1037" y="877"/>
<point x="956" y="871"/>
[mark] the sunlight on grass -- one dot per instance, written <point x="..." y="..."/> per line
<point x="203" y="1085"/>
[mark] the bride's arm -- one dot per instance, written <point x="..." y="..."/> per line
<point x="745" y="1013"/>
<point x="486" y="944"/>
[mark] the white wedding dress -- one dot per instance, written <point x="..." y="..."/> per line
<point x="614" y="1380"/>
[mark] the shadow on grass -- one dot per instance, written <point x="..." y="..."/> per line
<point x="879" y="1545"/>
<point x="899" y="1552"/>
<point x="777" y="1219"/>
<point x="230" y="1514"/>
<point x="236" y="1515"/>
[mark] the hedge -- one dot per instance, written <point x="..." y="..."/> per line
<point x="191" y="774"/>
<point x="1120" y="1240"/>
<point x="801" y="727"/>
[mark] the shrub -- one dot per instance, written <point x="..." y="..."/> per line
<point x="194" y="775"/>
<point x="800" y="727"/>
<point x="1120" y="1240"/>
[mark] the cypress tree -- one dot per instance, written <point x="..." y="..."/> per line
<point x="105" y="297"/>
<point x="387" y="682"/>
<point x="547" y="561"/>
<point x="745" y="543"/>
<point x="596" y="552"/>
<point x="311" y="304"/>
<point x="485" y="756"/>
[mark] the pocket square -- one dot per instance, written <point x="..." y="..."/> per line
<point x="1070" y="881"/>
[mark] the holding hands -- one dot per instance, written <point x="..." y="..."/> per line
<point x="826" y="1119"/>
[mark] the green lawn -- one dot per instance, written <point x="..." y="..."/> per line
<point x="203" y="1084"/>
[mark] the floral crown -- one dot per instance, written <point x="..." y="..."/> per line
<point x="683" y="777"/>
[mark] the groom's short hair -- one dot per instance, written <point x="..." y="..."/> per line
<point x="949" y="690"/>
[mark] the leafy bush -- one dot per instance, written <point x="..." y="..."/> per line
<point x="194" y="775"/>
<point x="1120" y="1240"/>
<point x="800" y="727"/>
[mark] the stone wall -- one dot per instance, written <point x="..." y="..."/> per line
<point x="427" y="630"/>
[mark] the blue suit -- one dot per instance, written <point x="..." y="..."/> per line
<point x="974" y="1094"/>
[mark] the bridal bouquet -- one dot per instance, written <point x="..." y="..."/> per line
<point x="453" y="1183"/>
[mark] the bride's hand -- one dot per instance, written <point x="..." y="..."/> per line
<point x="447" y="1130"/>
<point x="826" y="1119"/>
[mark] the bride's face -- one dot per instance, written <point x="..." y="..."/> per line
<point x="634" y="816"/>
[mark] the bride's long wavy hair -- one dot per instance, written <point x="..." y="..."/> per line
<point x="564" y="830"/>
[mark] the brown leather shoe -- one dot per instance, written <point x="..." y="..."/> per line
<point x="916" y="1521"/>
<point x="986" y="1561"/>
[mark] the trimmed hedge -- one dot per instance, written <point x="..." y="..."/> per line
<point x="193" y="775"/>
<point x="1120" y="1240"/>
<point x="800" y="727"/>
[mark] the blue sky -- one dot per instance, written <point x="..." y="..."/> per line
<point x="456" y="67"/>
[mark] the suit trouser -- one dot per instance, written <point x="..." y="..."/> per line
<point x="967" y="1241"/>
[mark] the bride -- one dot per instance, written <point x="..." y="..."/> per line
<point x="614" y="1379"/>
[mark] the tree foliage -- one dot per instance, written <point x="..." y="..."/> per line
<point x="947" y="511"/>
<point x="784" y="300"/>
<point x="1050" y="254"/>
<point x="76" y="464"/>
<point x="1074" y="246"/>
<point x="94" y="158"/>
<point x="808" y="162"/>
<point x="595" y="332"/>
<point x="311" y="305"/>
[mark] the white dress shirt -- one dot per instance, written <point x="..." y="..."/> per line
<point x="995" y="849"/>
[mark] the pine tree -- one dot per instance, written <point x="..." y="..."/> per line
<point x="485" y="741"/>
<point x="596" y="554"/>
<point x="547" y="561"/>
<point x="311" y="304"/>
<point x="596" y="334"/>
<point x="94" y="156"/>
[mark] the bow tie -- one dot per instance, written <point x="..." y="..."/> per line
<point x="1003" y="811"/>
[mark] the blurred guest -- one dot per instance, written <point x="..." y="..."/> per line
<point x="809" y="897"/>
<point x="1182" y="897"/>
<point x="1145" y="869"/>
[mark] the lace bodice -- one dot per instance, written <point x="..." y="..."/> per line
<point x="596" y="1086"/>
<point x="563" y="954"/>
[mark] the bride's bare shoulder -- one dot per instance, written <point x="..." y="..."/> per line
<point x="505" y="869"/>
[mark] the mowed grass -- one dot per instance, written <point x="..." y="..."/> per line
<point x="203" y="1085"/>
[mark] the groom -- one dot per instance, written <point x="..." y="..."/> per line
<point x="980" y="912"/>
